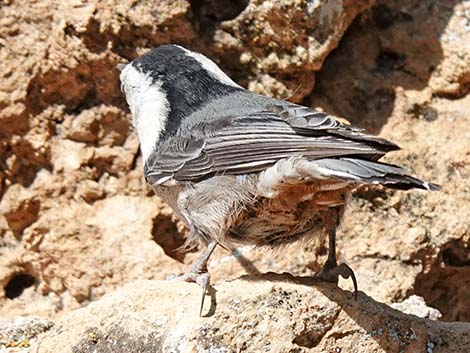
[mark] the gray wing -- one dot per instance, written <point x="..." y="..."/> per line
<point x="256" y="141"/>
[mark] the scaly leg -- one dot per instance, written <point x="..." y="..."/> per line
<point x="331" y="270"/>
<point x="198" y="272"/>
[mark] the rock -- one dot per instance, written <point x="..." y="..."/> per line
<point x="66" y="140"/>
<point x="21" y="333"/>
<point x="282" y="43"/>
<point x="70" y="163"/>
<point x="417" y="306"/>
<point x="82" y="128"/>
<point x="104" y="125"/>
<point x="268" y="313"/>
<point x="452" y="74"/>
<point x="404" y="50"/>
<point x="20" y="208"/>
<point x="421" y="239"/>
<point x="70" y="156"/>
<point x="90" y="191"/>
<point x="75" y="262"/>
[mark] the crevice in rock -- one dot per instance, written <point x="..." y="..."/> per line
<point x="388" y="61"/>
<point x="87" y="102"/>
<point x="446" y="282"/>
<point x="165" y="233"/>
<point x="384" y="17"/>
<point x="456" y="253"/>
<point x="79" y="88"/>
<point x="95" y="40"/>
<point x="217" y="11"/>
<point x="135" y="159"/>
<point x="17" y="284"/>
<point x="378" y="54"/>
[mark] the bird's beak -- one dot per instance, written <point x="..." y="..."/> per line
<point x="121" y="66"/>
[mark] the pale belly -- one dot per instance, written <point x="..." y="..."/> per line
<point x="294" y="211"/>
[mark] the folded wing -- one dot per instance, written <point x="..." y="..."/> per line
<point x="254" y="142"/>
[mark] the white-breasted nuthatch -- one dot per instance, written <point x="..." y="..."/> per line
<point x="242" y="168"/>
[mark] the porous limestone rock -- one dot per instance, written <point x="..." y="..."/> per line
<point x="268" y="313"/>
<point x="76" y="218"/>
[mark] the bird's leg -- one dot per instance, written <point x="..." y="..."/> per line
<point x="198" y="272"/>
<point x="331" y="270"/>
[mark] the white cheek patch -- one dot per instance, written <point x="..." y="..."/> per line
<point x="149" y="107"/>
<point x="211" y="67"/>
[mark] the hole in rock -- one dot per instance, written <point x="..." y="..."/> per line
<point x="165" y="234"/>
<point x="456" y="254"/>
<point x="389" y="61"/>
<point x="218" y="10"/>
<point x="18" y="284"/>
<point x="385" y="17"/>
<point x="447" y="284"/>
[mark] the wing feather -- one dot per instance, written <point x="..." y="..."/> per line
<point x="250" y="143"/>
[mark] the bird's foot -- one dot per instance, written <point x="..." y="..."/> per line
<point x="331" y="271"/>
<point x="200" y="276"/>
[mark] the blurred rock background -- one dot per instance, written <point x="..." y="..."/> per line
<point x="76" y="218"/>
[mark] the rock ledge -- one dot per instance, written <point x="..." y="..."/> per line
<point x="266" y="313"/>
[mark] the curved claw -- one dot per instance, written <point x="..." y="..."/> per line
<point x="203" y="280"/>
<point x="345" y="271"/>
<point x="331" y="274"/>
<point x="198" y="272"/>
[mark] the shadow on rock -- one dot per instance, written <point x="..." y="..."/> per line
<point x="276" y="311"/>
<point x="395" y="44"/>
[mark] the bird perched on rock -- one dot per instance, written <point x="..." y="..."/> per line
<point x="242" y="168"/>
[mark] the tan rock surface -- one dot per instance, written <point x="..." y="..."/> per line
<point x="19" y="334"/>
<point x="417" y="242"/>
<point x="76" y="218"/>
<point x="268" y="313"/>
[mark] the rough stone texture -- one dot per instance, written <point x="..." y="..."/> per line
<point x="282" y="43"/>
<point x="417" y="306"/>
<point x="77" y="220"/>
<point x="268" y="313"/>
<point x="20" y="333"/>
<point x="414" y="242"/>
<point x="420" y="46"/>
<point x="20" y="208"/>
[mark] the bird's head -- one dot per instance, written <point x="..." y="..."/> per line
<point x="178" y="73"/>
<point x="167" y="84"/>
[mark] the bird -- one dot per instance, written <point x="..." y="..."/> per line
<point x="240" y="168"/>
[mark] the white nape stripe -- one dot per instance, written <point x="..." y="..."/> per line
<point x="211" y="67"/>
<point x="148" y="104"/>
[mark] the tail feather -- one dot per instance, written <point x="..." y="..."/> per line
<point x="368" y="172"/>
